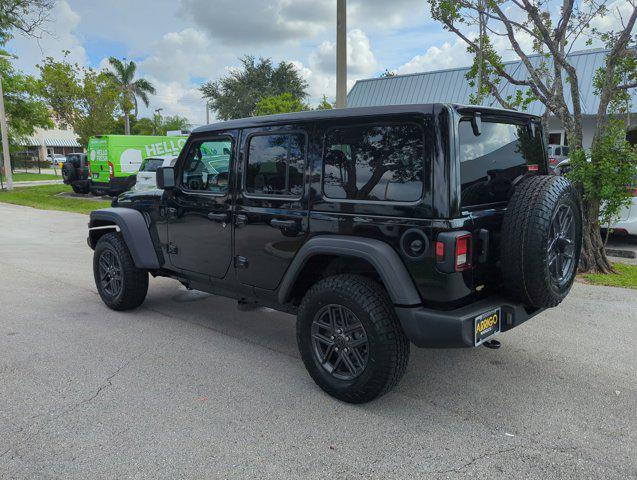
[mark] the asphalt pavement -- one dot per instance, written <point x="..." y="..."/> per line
<point x="187" y="386"/>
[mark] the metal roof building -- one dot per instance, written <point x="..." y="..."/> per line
<point x="452" y="86"/>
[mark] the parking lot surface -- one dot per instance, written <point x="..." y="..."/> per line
<point x="188" y="386"/>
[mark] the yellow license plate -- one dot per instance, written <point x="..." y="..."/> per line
<point x="486" y="325"/>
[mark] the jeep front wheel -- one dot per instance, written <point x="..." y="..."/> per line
<point x="121" y="285"/>
<point x="350" y="339"/>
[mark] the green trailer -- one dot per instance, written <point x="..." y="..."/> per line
<point x="115" y="159"/>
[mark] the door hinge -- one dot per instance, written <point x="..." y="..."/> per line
<point x="172" y="248"/>
<point x="240" y="262"/>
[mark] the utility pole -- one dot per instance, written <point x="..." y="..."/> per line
<point x="5" y="142"/>
<point x="341" y="53"/>
<point x="207" y="112"/>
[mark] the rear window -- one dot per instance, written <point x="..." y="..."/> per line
<point x="374" y="163"/>
<point x="151" y="164"/>
<point x="491" y="161"/>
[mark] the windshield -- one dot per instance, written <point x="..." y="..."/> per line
<point x="151" y="164"/>
<point x="491" y="161"/>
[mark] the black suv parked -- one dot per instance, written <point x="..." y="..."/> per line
<point x="435" y="224"/>
<point x="75" y="172"/>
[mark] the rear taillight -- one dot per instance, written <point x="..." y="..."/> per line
<point x="453" y="251"/>
<point x="463" y="253"/>
<point x="553" y="161"/>
<point x="111" y="170"/>
<point x="440" y="251"/>
<point x="632" y="189"/>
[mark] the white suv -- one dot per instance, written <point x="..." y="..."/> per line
<point x="146" y="175"/>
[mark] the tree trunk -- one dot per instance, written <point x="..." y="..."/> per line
<point x="126" y="124"/>
<point x="593" y="257"/>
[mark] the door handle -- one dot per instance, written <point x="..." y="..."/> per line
<point x="283" y="224"/>
<point x="218" y="217"/>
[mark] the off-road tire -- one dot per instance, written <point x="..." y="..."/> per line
<point x="134" y="280"/>
<point x="80" y="189"/>
<point x="69" y="172"/>
<point x="525" y="235"/>
<point x="388" y="351"/>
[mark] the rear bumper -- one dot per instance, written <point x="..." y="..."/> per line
<point x="114" y="187"/>
<point x="430" y="328"/>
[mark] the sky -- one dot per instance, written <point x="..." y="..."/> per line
<point x="180" y="44"/>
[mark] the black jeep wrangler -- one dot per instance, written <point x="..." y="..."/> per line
<point x="435" y="224"/>
<point x="75" y="172"/>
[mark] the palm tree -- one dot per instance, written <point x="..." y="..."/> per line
<point x="123" y="76"/>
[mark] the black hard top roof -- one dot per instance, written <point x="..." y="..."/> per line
<point x="337" y="114"/>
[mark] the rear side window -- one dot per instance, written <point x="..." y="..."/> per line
<point x="276" y="164"/>
<point x="374" y="163"/>
<point x="151" y="164"/>
<point x="491" y="161"/>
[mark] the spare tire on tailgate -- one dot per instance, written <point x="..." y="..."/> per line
<point x="541" y="240"/>
<point x="69" y="173"/>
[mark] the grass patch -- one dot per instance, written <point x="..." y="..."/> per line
<point x="33" y="177"/>
<point x="625" y="277"/>
<point x="45" y="197"/>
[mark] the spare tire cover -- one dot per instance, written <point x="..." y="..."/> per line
<point x="541" y="240"/>
<point x="68" y="172"/>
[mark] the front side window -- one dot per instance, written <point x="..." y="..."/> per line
<point x="207" y="166"/>
<point x="374" y="163"/>
<point x="491" y="161"/>
<point x="275" y="165"/>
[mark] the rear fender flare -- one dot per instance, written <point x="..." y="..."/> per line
<point x="385" y="260"/>
<point x="134" y="229"/>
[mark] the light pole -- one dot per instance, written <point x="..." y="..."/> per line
<point x="158" y="120"/>
<point x="341" y="53"/>
<point x="5" y="141"/>
<point x="207" y="112"/>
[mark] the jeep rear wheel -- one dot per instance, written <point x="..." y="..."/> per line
<point x="350" y="339"/>
<point x="121" y="285"/>
<point x="79" y="188"/>
<point x="541" y="240"/>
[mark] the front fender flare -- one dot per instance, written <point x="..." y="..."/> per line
<point x="380" y="255"/>
<point x="134" y="229"/>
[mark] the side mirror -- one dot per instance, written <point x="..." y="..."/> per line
<point x="476" y="123"/>
<point x="165" y="178"/>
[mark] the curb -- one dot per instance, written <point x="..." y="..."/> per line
<point x="618" y="252"/>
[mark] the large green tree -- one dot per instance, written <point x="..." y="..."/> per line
<point x="131" y="89"/>
<point x="24" y="108"/>
<point x="86" y="99"/>
<point x="284" y="103"/>
<point x="542" y="36"/>
<point x="236" y="95"/>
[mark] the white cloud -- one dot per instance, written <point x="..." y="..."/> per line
<point x="360" y="58"/>
<point x="178" y="56"/>
<point x="386" y="14"/>
<point x="438" y="58"/>
<point x="252" y="22"/>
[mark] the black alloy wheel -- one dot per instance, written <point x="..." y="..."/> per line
<point x="340" y="342"/>
<point x="561" y="246"/>
<point x="110" y="272"/>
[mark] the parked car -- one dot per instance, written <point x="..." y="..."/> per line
<point x="557" y="153"/>
<point x="435" y="224"/>
<point x="75" y="172"/>
<point x="115" y="159"/>
<point x="627" y="218"/>
<point x="146" y="177"/>
<point x="57" y="160"/>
